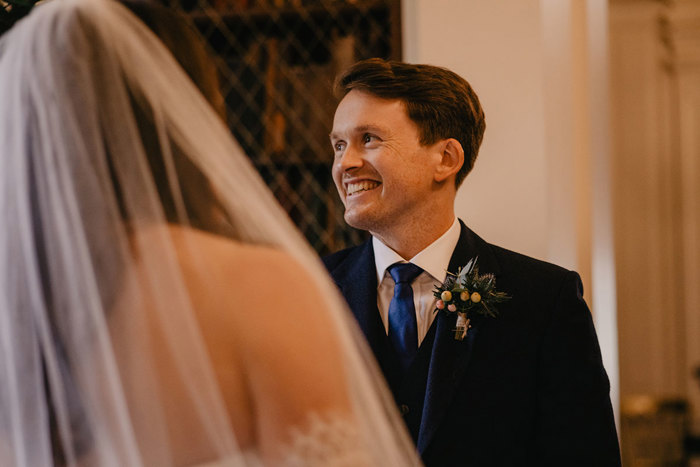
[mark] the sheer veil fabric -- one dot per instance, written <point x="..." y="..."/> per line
<point x="124" y="199"/>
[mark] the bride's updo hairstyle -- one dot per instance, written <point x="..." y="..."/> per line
<point x="202" y="207"/>
<point x="12" y="11"/>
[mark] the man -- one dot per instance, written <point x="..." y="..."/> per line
<point x="524" y="388"/>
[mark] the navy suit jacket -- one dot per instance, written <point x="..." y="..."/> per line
<point x="527" y="388"/>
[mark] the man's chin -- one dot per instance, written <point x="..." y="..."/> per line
<point x="358" y="220"/>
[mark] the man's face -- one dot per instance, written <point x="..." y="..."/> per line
<point x="382" y="172"/>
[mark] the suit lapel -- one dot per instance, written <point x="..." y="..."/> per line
<point x="357" y="279"/>
<point x="450" y="357"/>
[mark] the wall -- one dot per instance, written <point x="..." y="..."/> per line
<point x="497" y="48"/>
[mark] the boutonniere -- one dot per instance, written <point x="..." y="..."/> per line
<point x="467" y="293"/>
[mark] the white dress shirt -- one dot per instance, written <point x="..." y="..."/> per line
<point x="434" y="260"/>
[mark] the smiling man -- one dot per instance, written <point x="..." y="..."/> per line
<point x="526" y="387"/>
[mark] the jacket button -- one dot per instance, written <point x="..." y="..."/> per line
<point x="404" y="409"/>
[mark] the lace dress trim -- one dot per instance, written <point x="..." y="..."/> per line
<point x="329" y="440"/>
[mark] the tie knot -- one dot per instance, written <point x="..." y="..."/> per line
<point x="404" y="272"/>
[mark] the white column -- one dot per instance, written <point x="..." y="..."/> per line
<point x="684" y="21"/>
<point x="603" y="271"/>
<point x="646" y="178"/>
<point x="578" y="149"/>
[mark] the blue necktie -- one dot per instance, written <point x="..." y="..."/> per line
<point x="403" y="332"/>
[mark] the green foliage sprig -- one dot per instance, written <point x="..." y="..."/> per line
<point x="469" y="292"/>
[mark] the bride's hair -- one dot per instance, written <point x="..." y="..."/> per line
<point x="12" y="11"/>
<point x="186" y="196"/>
<point x="188" y="47"/>
<point x="203" y="209"/>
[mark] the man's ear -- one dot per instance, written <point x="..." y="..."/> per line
<point x="452" y="159"/>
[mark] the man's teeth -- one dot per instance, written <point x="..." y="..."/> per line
<point x="361" y="186"/>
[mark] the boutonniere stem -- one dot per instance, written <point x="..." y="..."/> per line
<point x="462" y="326"/>
<point x="468" y="293"/>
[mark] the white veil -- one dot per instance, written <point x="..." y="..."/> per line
<point x="87" y="96"/>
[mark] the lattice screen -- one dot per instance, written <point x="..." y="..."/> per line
<point x="277" y="61"/>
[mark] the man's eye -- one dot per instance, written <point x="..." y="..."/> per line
<point x="369" y="138"/>
<point x="338" y="146"/>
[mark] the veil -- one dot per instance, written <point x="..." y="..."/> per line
<point x="123" y="198"/>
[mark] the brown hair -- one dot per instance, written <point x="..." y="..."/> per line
<point x="202" y="205"/>
<point x="440" y="102"/>
<point x="188" y="47"/>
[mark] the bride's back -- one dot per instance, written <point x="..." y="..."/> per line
<point x="275" y="357"/>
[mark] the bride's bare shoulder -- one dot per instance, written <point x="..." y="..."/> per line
<point x="266" y="308"/>
<point x="257" y="278"/>
<point x="233" y="259"/>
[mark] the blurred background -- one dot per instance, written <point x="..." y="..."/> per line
<point x="591" y="157"/>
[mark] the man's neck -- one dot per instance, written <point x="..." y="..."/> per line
<point x="410" y="240"/>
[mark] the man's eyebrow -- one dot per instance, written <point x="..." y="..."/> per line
<point x="372" y="128"/>
<point x="360" y="129"/>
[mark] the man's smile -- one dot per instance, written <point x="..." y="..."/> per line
<point x="360" y="186"/>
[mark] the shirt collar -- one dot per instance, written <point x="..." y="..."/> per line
<point x="433" y="259"/>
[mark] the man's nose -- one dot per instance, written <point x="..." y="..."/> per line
<point x="350" y="159"/>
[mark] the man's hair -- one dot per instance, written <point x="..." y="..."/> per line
<point x="440" y="102"/>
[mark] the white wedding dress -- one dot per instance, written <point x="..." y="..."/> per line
<point x="324" y="443"/>
<point x="157" y="307"/>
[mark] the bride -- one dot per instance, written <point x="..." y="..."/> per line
<point x="156" y="305"/>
